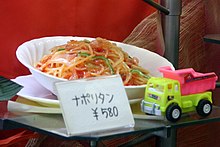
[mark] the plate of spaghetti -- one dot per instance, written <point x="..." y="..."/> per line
<point x="63" y="58"/>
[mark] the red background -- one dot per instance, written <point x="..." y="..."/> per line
<point x="24" y="20"/>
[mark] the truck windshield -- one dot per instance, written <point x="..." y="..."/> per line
<point x="156" y="88"/>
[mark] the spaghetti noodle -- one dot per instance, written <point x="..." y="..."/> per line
<point x="99" y="57"/>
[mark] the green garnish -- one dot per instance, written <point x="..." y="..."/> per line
<point x="83" y="54"/>
<point x="61" y="49"/>
<point x="86" y="41"/>
<point x="99" y="57"/>
<point x="107" y="62"/>
<point x="140" y="73"/>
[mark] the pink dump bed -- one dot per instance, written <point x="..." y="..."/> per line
<point x="190" y="81"/>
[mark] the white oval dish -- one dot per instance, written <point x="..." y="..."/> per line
<point x="30" y="52"/>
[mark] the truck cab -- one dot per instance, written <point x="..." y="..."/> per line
<point x="159" y="93"/>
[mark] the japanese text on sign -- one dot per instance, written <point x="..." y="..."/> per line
<point x="96" y="98"/>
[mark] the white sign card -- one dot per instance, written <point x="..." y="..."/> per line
<point x="94" y="104"/>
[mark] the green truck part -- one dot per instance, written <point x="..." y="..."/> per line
<point x="163" y="96"/>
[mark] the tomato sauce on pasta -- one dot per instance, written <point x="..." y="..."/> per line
<point x="99" y="57"/>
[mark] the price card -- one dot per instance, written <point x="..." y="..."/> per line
<point x="94" y="104"/>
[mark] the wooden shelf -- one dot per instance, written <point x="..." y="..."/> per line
<point x="212" y="38"/>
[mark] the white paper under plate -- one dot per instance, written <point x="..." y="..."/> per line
<point x="20" y="107"/>
<point x="35" y="92"/>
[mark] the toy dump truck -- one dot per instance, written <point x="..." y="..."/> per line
<point x="179" y="91"/>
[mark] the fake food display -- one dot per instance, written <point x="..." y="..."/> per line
<point x="87" y="62"/>
<point x="179" y="91"/>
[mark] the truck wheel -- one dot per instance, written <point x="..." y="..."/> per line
<point x="204" y="108"/>
<point x="173" y="113"/>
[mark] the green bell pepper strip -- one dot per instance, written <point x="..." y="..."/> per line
<point x="107" y="62"/>
<point x="61" y="49"/>
<point x="86" y="41"/>
<point x="99" y="57"/>
<point x="140" y="73"/>
<point x="83" y="54"/>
